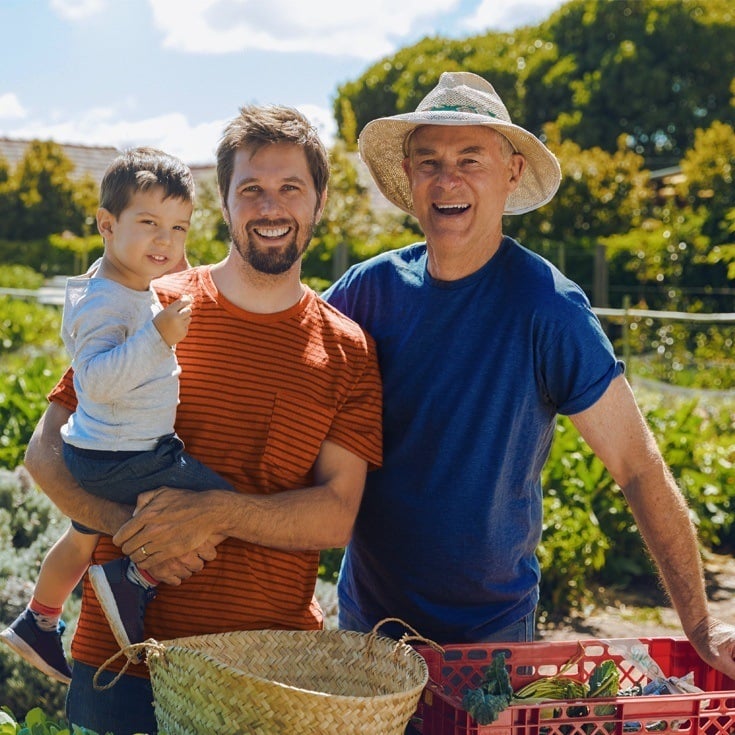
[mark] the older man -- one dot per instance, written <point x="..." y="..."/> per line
<point x="481" y="344"/>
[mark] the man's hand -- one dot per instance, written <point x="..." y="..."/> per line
<point x="175" y="571"/>
<point x="714" y="641"/>
<point x="173" y="322"/>
<point x="170" y="523"/>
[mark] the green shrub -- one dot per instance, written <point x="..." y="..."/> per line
<point x="36" y="722"/>
<point x="699" y="446"/>
<point x="589" y="533"/>
<point x="329" y="563"/>
<point x="574" y="545"/>
<point x="19" y="276"/>
<point x="24" y="385"/>
<point x="29" y="325"/>
<point x="688" y="355"/>
<point x="42" y="256"/>
<point x="29" y="525"/>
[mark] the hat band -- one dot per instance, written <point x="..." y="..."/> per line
<point x="460" y="108"/>
<point x="407" y="137"/>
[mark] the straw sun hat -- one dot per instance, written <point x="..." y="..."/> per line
<point x="460" y="98"/>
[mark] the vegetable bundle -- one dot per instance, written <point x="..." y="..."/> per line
<point x="495" y="693"/>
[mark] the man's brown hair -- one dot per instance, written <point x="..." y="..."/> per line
<point x="258" y="126"/>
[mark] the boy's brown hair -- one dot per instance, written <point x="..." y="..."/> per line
<point x="139" y="169"/>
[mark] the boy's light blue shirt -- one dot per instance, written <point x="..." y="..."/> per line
<point x="125" y="375"/>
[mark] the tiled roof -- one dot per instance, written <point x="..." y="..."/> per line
<point x="92" y="160"/>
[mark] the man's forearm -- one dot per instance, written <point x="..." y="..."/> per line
<point x="618" y="434"/>
<point x="45" y="462"/>
<point x="671" y="539"/>
<point x="172" y="522"/>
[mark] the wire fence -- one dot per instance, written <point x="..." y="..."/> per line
<point x="688" y="354"/>
<point x="52" y="293"/>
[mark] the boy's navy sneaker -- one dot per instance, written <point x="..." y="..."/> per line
<point x="123" y="602"/>
<point x="40" y="648"/>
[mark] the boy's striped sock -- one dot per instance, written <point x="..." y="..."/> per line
<point x="140" y="577"/>
<point x="46" y="618"/>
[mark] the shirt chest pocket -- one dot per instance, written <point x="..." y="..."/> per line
<point x="296" y="431"/>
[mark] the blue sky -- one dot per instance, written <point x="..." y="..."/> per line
<point x="170" y="73"/>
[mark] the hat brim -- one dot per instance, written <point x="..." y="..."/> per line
<point x="381" y="148"/>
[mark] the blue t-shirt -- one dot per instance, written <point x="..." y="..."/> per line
<point x="474" y="373"/>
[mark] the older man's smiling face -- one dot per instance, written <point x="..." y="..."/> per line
<point x="460" y="178"/>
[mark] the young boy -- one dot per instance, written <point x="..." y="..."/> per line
<point x="120" y="441"/>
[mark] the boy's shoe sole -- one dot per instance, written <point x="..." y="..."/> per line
<point x="11" y="639"/>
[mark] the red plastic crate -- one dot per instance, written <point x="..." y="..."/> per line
<point x="462" y="667"/>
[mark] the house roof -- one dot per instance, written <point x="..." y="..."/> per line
<point x="87" y="159"/>
<point x="93" y="160"/>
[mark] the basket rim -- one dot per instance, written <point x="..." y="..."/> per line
<point x="177" y="645"/>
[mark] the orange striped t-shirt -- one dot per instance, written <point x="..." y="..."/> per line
<point x="259" y="395"/>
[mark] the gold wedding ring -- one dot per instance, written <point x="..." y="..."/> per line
<point x="142" y="548"/>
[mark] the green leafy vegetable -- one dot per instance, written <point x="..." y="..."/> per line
<point x="485" y="703"/>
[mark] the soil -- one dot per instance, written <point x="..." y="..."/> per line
<point x="644" y="611"/>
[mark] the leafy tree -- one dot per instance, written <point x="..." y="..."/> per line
<point x="347" y="219"/>
<point x="662" y="252"/>
<point x="649" y="69"/>
<point x="726" y="253"/>
<point x="349" y="231"/>
<point x="41" y="197"/>
<point x="600" y="194"/>
<point x="652" y="69"/>
<point x="709" y="178"/>
<point x="208" y="238"/>
<point x="682" y="247"/>
<point x="397" y="84"/>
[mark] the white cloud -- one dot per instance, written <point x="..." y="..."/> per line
<point x="77" y="9"/>
<point x="172" y="132"/>
<point x="506" y="16"/>
<point x="10" y="107"/>
<point x="332" y="27"/>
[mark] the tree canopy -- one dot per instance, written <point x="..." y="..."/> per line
<point x="652" y="70"/>
<point x="39" y="198"/>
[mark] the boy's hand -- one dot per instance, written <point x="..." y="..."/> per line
<point x="173" y="322"/>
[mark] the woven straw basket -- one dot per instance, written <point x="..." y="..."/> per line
<point x="275" y="681"/>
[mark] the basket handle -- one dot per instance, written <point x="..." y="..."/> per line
<point x="406" y="637"/>
<point x="133" y="654"/>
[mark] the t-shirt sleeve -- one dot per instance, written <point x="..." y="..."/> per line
<point x="578" y="363"/>
<point x="358" y="424"/>
<point x="63" y="392"/>
<point x="335" y="295"/>
<point x="343" y="294"/>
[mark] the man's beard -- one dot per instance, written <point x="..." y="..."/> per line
<point x="270" y="259"/>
